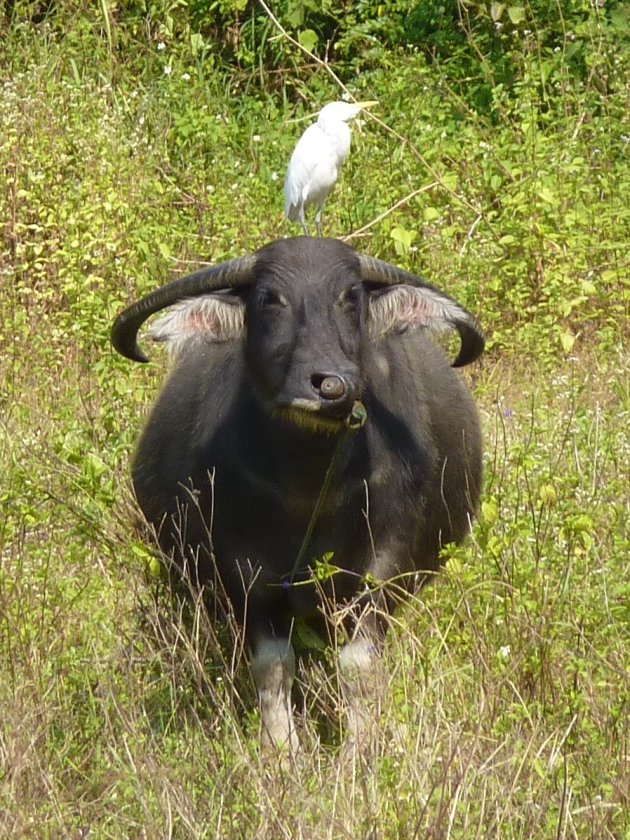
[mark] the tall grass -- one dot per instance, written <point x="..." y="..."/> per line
<point x="504" y="707"/>
<point x="126" y="712"/>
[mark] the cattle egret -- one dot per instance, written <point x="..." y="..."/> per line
<point x="316" y="160"/>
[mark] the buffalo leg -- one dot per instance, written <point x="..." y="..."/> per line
<point x="358" y="667"/>
<point x="273" y="670"/>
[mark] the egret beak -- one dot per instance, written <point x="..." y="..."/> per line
<point x="364" y="106"/>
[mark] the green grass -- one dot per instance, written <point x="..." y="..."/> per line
<point x="506" y="686"/>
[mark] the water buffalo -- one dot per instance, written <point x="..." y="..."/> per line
<point x="308" y="415"/>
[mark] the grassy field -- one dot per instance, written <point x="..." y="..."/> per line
<point x="128" y="156"/>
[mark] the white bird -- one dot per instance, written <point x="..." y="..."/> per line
<point x="316" y="160"/>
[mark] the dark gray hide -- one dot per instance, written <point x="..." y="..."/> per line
<point x="261" y="409"/>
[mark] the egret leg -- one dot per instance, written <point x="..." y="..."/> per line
<point x="302" y="219"/>
<point x="318" y="221"/>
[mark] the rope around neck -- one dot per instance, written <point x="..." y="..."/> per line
<point x="355" y="421"/>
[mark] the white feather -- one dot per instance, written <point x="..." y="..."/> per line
<point x="314" y="166"/>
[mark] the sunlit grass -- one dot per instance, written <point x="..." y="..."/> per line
<point x="505" y="689"/>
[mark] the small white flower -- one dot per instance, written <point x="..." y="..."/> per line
<point x="168" y="70"/>
<point x="256" y="138"/>
<point x="505" y="651"/>
<point x="161" y="46"/>
<point x="274" y="176"/>
<point x="186" y="77"/>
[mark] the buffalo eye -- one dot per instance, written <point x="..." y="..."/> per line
<point x="269" y="299"/>
<point x="349" y="298"/>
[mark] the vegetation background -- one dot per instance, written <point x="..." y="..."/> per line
<point x="140" y="137"/>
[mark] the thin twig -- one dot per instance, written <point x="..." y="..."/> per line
<point x="404" y="140"/>
<point x="301" y="47"/>
<point x="418" y="154"/>
<point x="470" y="233"/>
<point x="389" y="210"/>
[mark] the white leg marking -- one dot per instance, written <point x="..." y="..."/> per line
<point x="273" y="669"/>
<point x="357" y="661"/>
<point x="357" y="655"/>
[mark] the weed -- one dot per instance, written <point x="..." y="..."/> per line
<point x="134" y="147"/>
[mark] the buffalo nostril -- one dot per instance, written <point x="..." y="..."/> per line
<point x="332" y="388"/>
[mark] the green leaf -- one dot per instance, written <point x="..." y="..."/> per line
<point x="402" y="235"/>
<point x="546" y="195"/>
<point x="496" y="11"/>
<point x="489" y="511"/>
<point x="295" y="14"/>
<point x="305" y="637"/>
<point x="196" y="43"/>
<point x="516" y="14"/>
<point x="430" y="214"/>
<point x="154" y="568"/>
<point x="308" y="39"/>
<point x="403" y="239"/>
<point x="567" y="340"/>
<point x="323" y="569"/>
<point x="620" y="19"/>
<point x="449" y="181"/>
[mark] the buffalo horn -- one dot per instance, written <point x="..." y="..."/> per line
<point x="471" y="335"/>
<point x="228" y="275"/>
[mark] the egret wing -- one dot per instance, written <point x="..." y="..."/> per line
<point x="311" y="170"/>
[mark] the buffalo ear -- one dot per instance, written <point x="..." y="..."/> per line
<point x="209" y="318"/>
<point x="398" y="308"/>
<point x="395" y="309"/>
